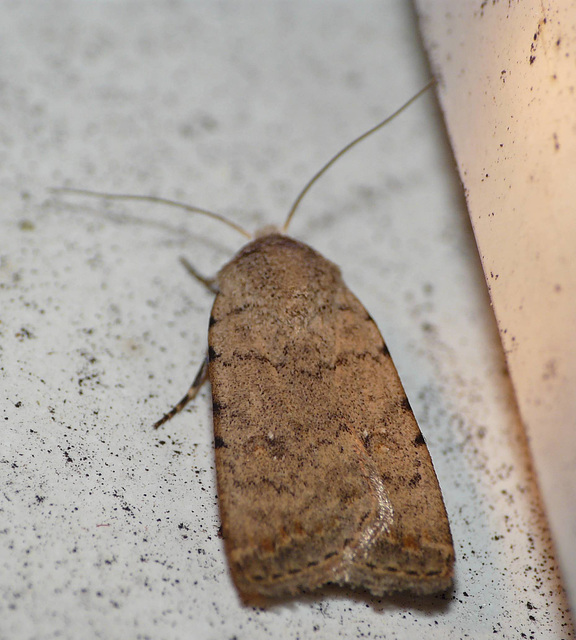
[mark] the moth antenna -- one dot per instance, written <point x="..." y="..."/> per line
<point x="342" y="151"/>
<point x="166" y="201"/>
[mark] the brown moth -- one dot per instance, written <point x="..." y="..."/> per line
<point x="323" y="475"/>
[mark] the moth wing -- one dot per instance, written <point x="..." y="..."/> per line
<point x="323" y="474"/>
<point x="412" y="550"/>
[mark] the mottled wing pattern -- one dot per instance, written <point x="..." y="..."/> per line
<point x="323" y="474"/>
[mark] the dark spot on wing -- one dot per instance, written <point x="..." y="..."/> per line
<point x="414" y="480"/>
<point x="419" y="440"/>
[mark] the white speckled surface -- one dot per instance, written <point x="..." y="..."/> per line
<point x="109" y="530"/>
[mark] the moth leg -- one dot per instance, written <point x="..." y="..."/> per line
<point x="209" y="283"/>
<point x="199" y="380"/>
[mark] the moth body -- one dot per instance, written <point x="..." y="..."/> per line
<point x="323" y="474"/>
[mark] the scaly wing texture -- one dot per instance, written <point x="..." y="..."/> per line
<point x="323" y="474"/>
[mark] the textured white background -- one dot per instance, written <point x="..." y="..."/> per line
<point x="109" y="530"/>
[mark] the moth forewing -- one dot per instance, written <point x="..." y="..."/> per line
<point x="323" y="474"/>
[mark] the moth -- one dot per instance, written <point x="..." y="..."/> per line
<point x="323" y="474"/>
